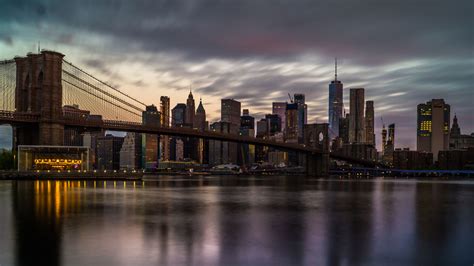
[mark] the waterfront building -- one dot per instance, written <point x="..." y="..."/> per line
<point x="356" y="116"/>
<point x="456" y="159"/>
<point x="369" y="123"/>
<point x="458" y="141"/>
<point x="433" y="127"/>
<point x="108" y="152"/>
<point x="335" y="105"/>
<point x="412" y="160"/>
<point x="358" y="150"/>
<point x="131" y="152"/>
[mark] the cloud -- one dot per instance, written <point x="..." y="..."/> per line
<point x="258" y="51"/>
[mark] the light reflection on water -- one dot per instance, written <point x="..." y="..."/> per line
<point x="236" y="221"/>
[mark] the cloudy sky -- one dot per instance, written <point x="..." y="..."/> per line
<point x="402" y="52"/>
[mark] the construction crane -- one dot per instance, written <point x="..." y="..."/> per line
<point x="291" y="99"/>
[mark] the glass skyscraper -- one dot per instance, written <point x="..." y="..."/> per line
<point x="336" y="105"/>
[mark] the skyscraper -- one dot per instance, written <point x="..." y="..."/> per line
<point x="356" y="116"/>
<point x="433" y="127"/>
<point x="165" y="122"/>
<point x="176" y="144"/>
<point x="108" y="152"/>
<point x="190" y="110"/>
<point x="279" y="108"/>
<point x="131" y="152"/>
<point x="230" y="113"/>
<point x="200" y="122"/>
<point x="247" y="128"/>
<point x="335" y="105"/>
<point x="384" y="138"/>
<point x="291" y="130"/>
<point x="150" y="142"/>
<point x="299" y="99"/>
<point x="369" y="123"/>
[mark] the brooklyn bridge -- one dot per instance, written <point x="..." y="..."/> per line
<point x="36" y="88"/>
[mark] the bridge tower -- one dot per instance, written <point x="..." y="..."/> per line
<point x="316" y="137"/>
<point x="39" y="92"/>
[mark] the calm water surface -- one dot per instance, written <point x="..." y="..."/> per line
<point x="237" y="221"/>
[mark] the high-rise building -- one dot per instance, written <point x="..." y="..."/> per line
<point x="108" y="152"/>
<point x="219" y="152"/>
<point x="384" y="138"/>
<point x="178" y="115"/>
<point x="274" y="123"/>
<point x="299" y="99"/>
<point x="369" y="123"/>
<point x="131" y="152"/>
<point x="190" y="110"/>
<point x="150" y="142"/>
<point x="165" y="122"/>
<point x="279" y="108"/>
<point x="433" y="127"/>
<point x="390" y="144"/>
<point x="247" y="128"/>
<point x="230" y="113"/>
<point x="344" y="129"/>
<point x="291" y="130"/>
<point x="201" y="124"/>
<point x="356" y="116"/>
<point x="336" y="105"/>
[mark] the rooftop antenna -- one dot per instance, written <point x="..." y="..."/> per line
<point x="39" y="50"/>
<point x="335" y="69"/>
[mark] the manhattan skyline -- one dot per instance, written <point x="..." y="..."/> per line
<point x="256" y="53"/>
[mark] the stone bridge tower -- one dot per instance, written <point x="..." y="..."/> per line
<point x="39" y="92"/>
<point x="316" y="137"/>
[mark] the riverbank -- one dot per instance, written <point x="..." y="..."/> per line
<point x="90" y="175"/>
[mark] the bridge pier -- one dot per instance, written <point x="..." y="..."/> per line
<point x="39" y="91"/>
<point x="316" y="137"/>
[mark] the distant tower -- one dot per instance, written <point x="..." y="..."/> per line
<point x="335" y="104"/>
<point x="190" y="109"/>
<point x="200" y="118"/>
<point x="384" y="138"/>
<point x="369" y="123"/>
<point x="455" y="129"/>
<point x="356" y="116"/>
<point x="165" y="122"/>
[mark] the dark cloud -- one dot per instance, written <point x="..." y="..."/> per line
<point x="8" y="40"/>
<point x="402" y="52"/>
<point x="369" y="32"/>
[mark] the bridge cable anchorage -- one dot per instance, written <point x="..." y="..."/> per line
<point x="114" y="104"/>
<point x="124" y="94"/>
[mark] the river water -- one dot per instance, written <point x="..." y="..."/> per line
<point x="237" y="221"/>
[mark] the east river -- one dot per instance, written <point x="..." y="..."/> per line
<point x="237" y="221"/>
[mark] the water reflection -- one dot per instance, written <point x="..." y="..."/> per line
<point x="238" y="221"/>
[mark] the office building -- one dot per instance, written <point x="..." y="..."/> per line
<point x="344" y="129"/>
<point x="299" y="99"/>
<point x="230" y="113"/>
<point x="279" y="108"/>
<point x="178" y="114"/>
<point x="219" y="151"/>
<point x="201" y="124"/>
<point x="412" y="160"/>
<point x="108" y="152"/>
<point x="336" y="105"/>
<point x="274" y="123"/>
<point x="291" y="130"/>
<point x="433" y="126"/>
<point x="247" y="128"/>
<point x="165" y="122"/>
<point x="131" y="152"/>
<point x="369" y="123"/>
<point x="356" y="116"/>
<point x="150" y="142"/>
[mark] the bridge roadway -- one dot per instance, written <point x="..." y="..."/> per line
<point x="10" y="117"/>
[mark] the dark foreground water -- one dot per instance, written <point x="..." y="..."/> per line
<point x="230" y="221"/>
